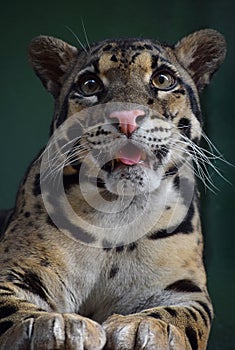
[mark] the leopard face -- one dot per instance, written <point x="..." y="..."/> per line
<point x="149" y="117"/>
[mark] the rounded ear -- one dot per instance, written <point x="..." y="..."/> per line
<point x="51" y="59"/>
<point x="201" y="53"/>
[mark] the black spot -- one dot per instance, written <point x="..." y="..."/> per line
<point x="148" y="47"/>
<point x="114" y="58"/>
<point x="27" y="214"/>
<point x="177" y="182"/>
<point x="132" y="246"/>
<point x="36" y="185"/>
<point x="179" y="91"/>
<point x="184" y="286"/>
<point x="192" y="337"/>
<point x="150" y="101"/>
<point x="114" y="270"/>
<point x="6" y="250"/>
<point x="4" y="326"/>
<point x="44" y="262"/>
<point x="7" y="310"/>
<point x="107" y="47"/>
<point x="155" y="315"/>
<point x="120" y="249"/>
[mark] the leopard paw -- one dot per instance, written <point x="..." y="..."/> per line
<point x="135" y="332"/>
<point x="54" y="331"/>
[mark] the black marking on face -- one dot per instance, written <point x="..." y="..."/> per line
<point x="150" y="101"/>
<point x="184" y="286"/>
<point x="184" y="125"/>
<point x="193" y="102"/>
<point x="114" y="58"/>
<point x="36" y="185"/>
<point x="114" y="270"/>
<point x="172" y="171"/>
<point x="64" y="108"/>
<point x="120" y="249"/>
<point x="154" y="63"/>
<point x="71" y="180"/>
<point x="179" y="91"/>
<point x="4" y="326"/>
<point x="177" y="182"/>
<point x="132" y="246"/>
<point x="192" y="337"/>
<point x="107" y="47"/>
<point x="27" y="214"/>
<point x="134" y="57"/>
<point x="7" y="310"/>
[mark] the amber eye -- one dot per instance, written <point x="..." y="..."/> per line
<point x="163" y="80"/>
<point x="90" y="84"/>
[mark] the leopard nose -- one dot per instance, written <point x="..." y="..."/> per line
<point x="127" y="120"/>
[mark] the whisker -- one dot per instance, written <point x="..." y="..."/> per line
<point x="77" y="38"/>
<point x="85" y="34"/>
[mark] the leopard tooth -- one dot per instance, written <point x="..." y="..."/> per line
<point x="143" y="156"/>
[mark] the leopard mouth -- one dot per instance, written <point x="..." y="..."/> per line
<point x="128" y="156"/>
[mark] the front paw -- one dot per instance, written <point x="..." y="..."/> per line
<point x="135" y="332"/>
<point x="54" y="331"/>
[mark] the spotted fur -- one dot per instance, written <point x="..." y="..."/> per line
<point x="148" y="292"/>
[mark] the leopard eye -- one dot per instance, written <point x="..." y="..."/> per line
<point x="89" y="84"/>
<point x="163" y="81"/>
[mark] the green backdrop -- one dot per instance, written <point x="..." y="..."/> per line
<point x="26" y="108"/>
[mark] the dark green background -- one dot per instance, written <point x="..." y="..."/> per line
<point x="26" y="108"/>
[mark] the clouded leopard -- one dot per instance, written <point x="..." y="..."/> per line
<point x="104" y="247"/>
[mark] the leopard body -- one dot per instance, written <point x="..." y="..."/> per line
<point x="113" y="278"/>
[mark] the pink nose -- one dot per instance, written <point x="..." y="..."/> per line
<point x="127" y="120"/>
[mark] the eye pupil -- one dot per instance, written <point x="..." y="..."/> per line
<point x="162" y="78"/>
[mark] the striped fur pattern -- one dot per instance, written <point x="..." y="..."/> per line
<point x="148" y="293"/>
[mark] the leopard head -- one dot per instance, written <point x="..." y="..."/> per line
<point x="136" y="102"/>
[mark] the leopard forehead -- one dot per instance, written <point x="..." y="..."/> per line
<point x="129" y="55"/>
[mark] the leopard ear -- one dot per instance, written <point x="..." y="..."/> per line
<point x="201" y="53"/>
<point x="51" y="59"/>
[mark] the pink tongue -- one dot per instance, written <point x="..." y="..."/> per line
<point x="129" y="155"/>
